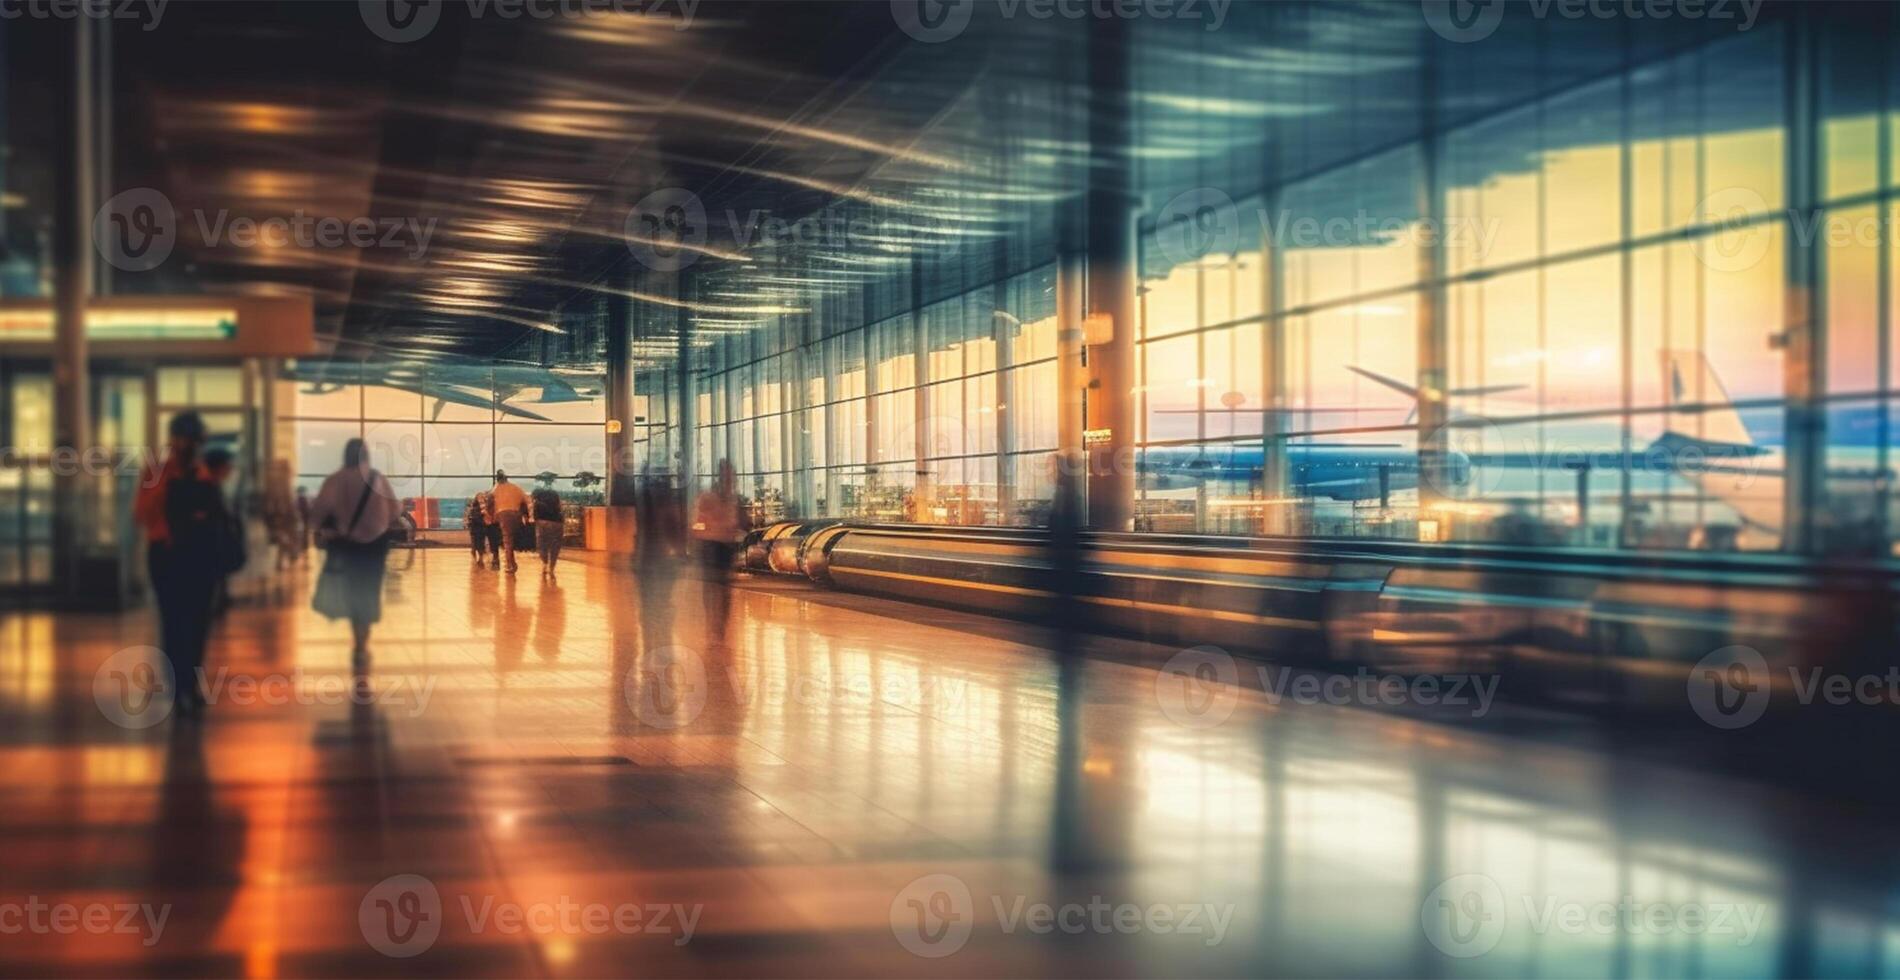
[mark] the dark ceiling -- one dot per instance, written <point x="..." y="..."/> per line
<point x="523" y="144"/>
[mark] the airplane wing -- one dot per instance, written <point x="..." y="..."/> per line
<point x="450" y="394"/>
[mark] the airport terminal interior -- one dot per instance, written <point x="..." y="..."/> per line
<point x="949" y="488"/>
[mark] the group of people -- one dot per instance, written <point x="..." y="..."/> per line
<point x="495" y="519"/>
<point x="195" y="542"/>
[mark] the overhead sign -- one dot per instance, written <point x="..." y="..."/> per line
<point x="613" y="427"/>
<point x="1097" y="437"/>
<point x="232" y="326"/>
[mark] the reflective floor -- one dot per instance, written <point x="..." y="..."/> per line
<point x="848" y="787"/>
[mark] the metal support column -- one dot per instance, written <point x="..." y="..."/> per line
<point x="1433" y="344"/>
<point x="1804" y="333"/>
<point x="923" y="493"/>
<point x="1004" y="326"/>
<point x="1112" y="275"/>
<point x="619" y="394"/>
<point x="1275" y="487"/>
<point x="72" y="251"/>
<point x="689" y="403"/>
<point x="1071" y="367"/>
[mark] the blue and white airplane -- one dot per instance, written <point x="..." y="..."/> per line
<point x="1704" y="442"/>
<point x="1336" y="471"/>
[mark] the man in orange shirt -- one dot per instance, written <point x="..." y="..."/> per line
<point x="510" y="502"/>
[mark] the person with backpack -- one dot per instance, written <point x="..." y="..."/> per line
<point x="550" y="526"/>
<point x="183" y="516"/>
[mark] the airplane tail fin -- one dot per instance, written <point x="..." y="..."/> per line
<point x="1690" y="380"/>
<point x="557" y="391"/>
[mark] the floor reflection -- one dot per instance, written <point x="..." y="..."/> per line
<point x="856" y="788"/>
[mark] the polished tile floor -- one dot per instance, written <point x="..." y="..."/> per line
<point x="847" y="787"/>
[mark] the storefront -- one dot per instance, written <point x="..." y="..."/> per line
<point x="151" y="357"/>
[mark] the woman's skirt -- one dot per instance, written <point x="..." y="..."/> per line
<point x="351" y="585"/>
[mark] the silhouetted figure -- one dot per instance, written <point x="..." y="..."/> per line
<point x="510" y="505"/>
<point x="718" y="527"/>
<point x="354" y="512"/>
<point x="220" y="465"/>
<point x="1064" y="614"/>
<point x="303" y="525"/>
<point x="183" y="516"/>
<point x="658" y="549"/>
<point x="550" y="526"/>
<point x="477" y="528"/>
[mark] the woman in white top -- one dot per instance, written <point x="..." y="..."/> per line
<point x="353" y="513"/>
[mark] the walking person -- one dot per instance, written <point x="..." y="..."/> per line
<point x="510" y="504"/>
<point x="220" y="465"/>
<point x="719" y="527"/>
<point x="658" y="544"/>
<point x="491" y="530"/>
<point x="303" y="525"/>
<point x="477" y="524"/>
<point x="354" y="511"/>
<point x="550" y="526"/>
<point x="182" y="514"/>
